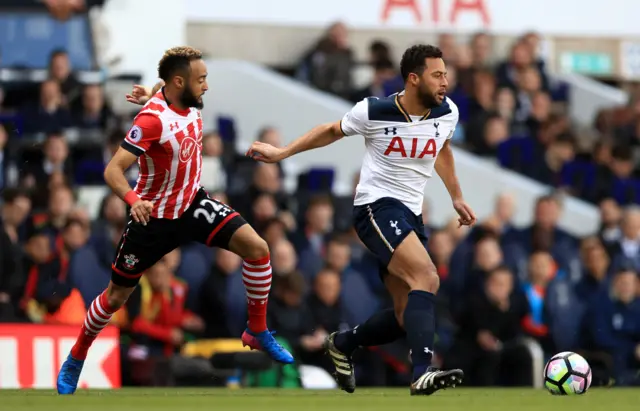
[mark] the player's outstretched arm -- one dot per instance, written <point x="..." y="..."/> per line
<point x="116" y="180"/>
<point x="317" y="137"/>
<point x="445" y="167"/>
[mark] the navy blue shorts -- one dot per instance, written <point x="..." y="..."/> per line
<point x="384" y="224"/>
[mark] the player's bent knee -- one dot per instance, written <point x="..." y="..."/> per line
<point x="424" y="277"/>
<point x="248" y="244"/>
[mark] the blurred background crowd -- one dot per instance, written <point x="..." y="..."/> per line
<point x="500" y="282"/>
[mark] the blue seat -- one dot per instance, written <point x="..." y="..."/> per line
<point x="626" y="191"/>
<point x="581" y="176"/>
<point x="517" y="153"/>
<point x="89" y="172"/>
<point x="227" y="129"/>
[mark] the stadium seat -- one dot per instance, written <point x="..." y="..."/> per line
<point x="581" y="176"/>
<point x="227" y="129"/>
<point x="517" y="153"/>
<point x="626" y="191"/>
<point x="316" y="180"/>
<point x="89" y="172"/>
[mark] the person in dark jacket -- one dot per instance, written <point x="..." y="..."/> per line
<point x="487" y="339"/>
<point x="615" y="327"/>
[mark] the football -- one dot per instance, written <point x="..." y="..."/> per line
<point x="567" y="373"/>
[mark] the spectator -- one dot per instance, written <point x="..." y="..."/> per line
<point x="91" y="110"/>
<point x="506" y="104"/>
<point x="264" y="208"/>
<point x="283" y="258"/>
<point x="49" y="115"/>
<point x="440" y="249"/>
<point x="318" y="224"/>
<point x="610" y="218"/>
<point x="615" y="329"/>
<point x="158" y="322"/>
<point x="541" y="272"/>
<point x="487" y="346"/>
<point x="379" y="50"/>
<point x="548" y="168"/>
<point x="217" y="307"/>
<point x="596" y="269"/>
<point x="326" y="311"/>
<point x="108" y="229"/>
<point x="496" y="131"/>
<point x="627" y="252"/>
<point x="61" y="204"/>
<point x="328" y="65"/>
<point x="49" y="296"/>
<point x="481" y="48"/>
<point x="289" y="314"/>
<point x="60" y="71"/>
<point x="273" y="231"/>
<point x="56" y="159"/>
<point x="384" y="70"/>
<point x="545" y="235"/>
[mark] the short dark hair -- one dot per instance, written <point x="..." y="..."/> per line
<point x="12" y="194"/>
<point x="177" y="59"/>
<point x="383" y="64"/>
<point x="622" y="152"/>
<point x="413" y="59"/>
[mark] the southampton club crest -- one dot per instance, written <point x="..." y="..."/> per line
<point x="130" y="261"/>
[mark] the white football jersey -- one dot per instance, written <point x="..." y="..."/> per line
<point x="401" y="150"/>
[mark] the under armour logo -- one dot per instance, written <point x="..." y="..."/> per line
<point x="428" y="351"/>
<point x="390" y="130"/>
<point x="436" y="125"/>
<point x="394" y="224"/>
<point x="174" y="125"/>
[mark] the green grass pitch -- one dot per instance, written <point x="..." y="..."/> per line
<point x="188" y="399"/>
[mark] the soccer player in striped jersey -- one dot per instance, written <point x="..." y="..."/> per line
<point x="169" y="208"/>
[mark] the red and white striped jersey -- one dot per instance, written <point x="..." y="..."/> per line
<point x="168" y="143"/>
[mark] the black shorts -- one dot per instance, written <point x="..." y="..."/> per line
<point x="206" y="221"/>
<point x="383" y="225"/>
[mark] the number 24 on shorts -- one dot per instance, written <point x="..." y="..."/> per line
<point x="218" y="209"/>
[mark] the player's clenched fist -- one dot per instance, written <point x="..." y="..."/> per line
<point x="265" y="152"/>
<point x="141" y="210"/>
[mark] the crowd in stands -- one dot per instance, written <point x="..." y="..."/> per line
<point x="499" y="283"/>
<point x="510" y="109"/>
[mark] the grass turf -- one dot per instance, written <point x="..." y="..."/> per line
<point x="458" y="399"/>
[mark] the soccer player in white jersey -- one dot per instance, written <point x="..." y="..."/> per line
<point x="406" y="136"/>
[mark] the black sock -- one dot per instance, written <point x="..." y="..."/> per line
<point x="420" y="323"/>
<point x="381" y="328"/>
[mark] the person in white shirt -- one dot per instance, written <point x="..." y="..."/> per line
<point x="407" y="135"/>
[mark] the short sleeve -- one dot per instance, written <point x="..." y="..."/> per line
<point x="455" y="117"/>
<point x="355" y="121"/>
<point x="146" y="129"/>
